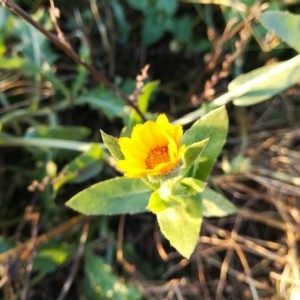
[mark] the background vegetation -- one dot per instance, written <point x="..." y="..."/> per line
<point x="60" y="86"/>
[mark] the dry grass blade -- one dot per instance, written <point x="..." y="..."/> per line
<point x="60" y="229"/>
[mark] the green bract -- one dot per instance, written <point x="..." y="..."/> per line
<point x="179" y="202"/>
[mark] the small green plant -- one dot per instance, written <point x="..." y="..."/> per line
<point x="263" y="83"/>
<point x="160" y="18"/>
<point x="165" y="173"/>
<point x="49" y="151"/>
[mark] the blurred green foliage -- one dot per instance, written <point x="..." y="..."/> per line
<point x="51" y="109"/>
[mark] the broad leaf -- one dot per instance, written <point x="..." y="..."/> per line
<point x="152" y="31"/>
<point x="34" y="45"/>
<point x="192" y="185"/>
<point x="216" y="205"/>
<point x="192" y="155"/>
<point x="11" y="63"/>
<point x="173" y="192"/>
<point x="183" y="28"/>
<point x="115" y="196"/>
<point x="142" y="5"/>
<point x="168" y="194"/>
<point x="262" y="84"/>
<point x="180" y="224"/>
<point x="168" y="7"/>
<point x="123" y="24"/>
<point x="212" y="126"/>
<point x="112" y="145"/>
<point x="265" y="82"/>
<point x="157" y="203"/>
<point x="83" y="167"/>
<point x="283" y="24"/>
<point x="104" y="100"/>
<point x="102" y="283"/>
<point x="50" y="257"/>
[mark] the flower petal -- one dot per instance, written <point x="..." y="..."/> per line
<point x="143" y="151"/>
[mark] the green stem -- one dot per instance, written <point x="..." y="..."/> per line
<point x="44" y="143"/>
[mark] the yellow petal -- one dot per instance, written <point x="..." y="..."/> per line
<point x="143" y="151"/>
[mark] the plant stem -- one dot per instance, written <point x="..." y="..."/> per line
<point x="45" y="143"/>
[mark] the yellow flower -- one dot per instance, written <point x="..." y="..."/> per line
<point x="153" y="149"/>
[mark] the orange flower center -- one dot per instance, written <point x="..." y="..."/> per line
<point x="157" y="156"/>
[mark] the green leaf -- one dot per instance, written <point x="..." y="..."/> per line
<point x="283" y="24"/>
<point x="168" y="7"/>
<point x="115" y="196"/>
<point x="173" y="192"/>
<point x="105" y="100"/>
<point x="183" y="28"/>
<point x="144" y="97"/>
<point x="212" y="126"/>
<point x="123" y="25"/>
<point x="152" y="31"/>
<point x="157" y="203"/>
<point x="216" y="205"/>
<point x="42" y="143"/>
<point x="57" y="84"/>
<point x="82" y="168"/>
<point x="192" y="155"/>
<point x="267" y="81"/>
<point x="143" y="101"/>
<point x="4" y="14"/>
<point x="112" y="145"/>
<point x="262" y="83"/>
<point x="165" y="195"/>
<point x="79" y="81"/>
<point x="102" y="283"/>
<point x="180" y="224"/>
<point x="142" y="5"/>
<point x="10" y="63"/>
<point x="57" y="132"/>
<point x="50" y="257"/>
<point x="4" y="244"/>
<point x="34" y="45"/>
<point x="192" y="185"/>
<point x="177" y="204"/>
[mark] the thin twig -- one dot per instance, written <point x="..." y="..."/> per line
<point x="54" y="15"/>
<point x="246" y="267"/>
<point x="140" y="78"/>
<point x="69" y="281"/>
<point x="42" y="238"/>
<point x="120" y="257"/>
<point x="159" y="247"/>
<point x="105" y="36"/>
<point x="34" y="218"/>
<point x="245" y="243"/>
<point x="239" y="275"/>
<point x="224" y="270"/>
<point x="68" y="50"/>
<point x="201" y="275"/>
<point x="175" y="268"/>
<point x="262" y="218"/>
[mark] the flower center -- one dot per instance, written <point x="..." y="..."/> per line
<point x="157" y="156"/>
